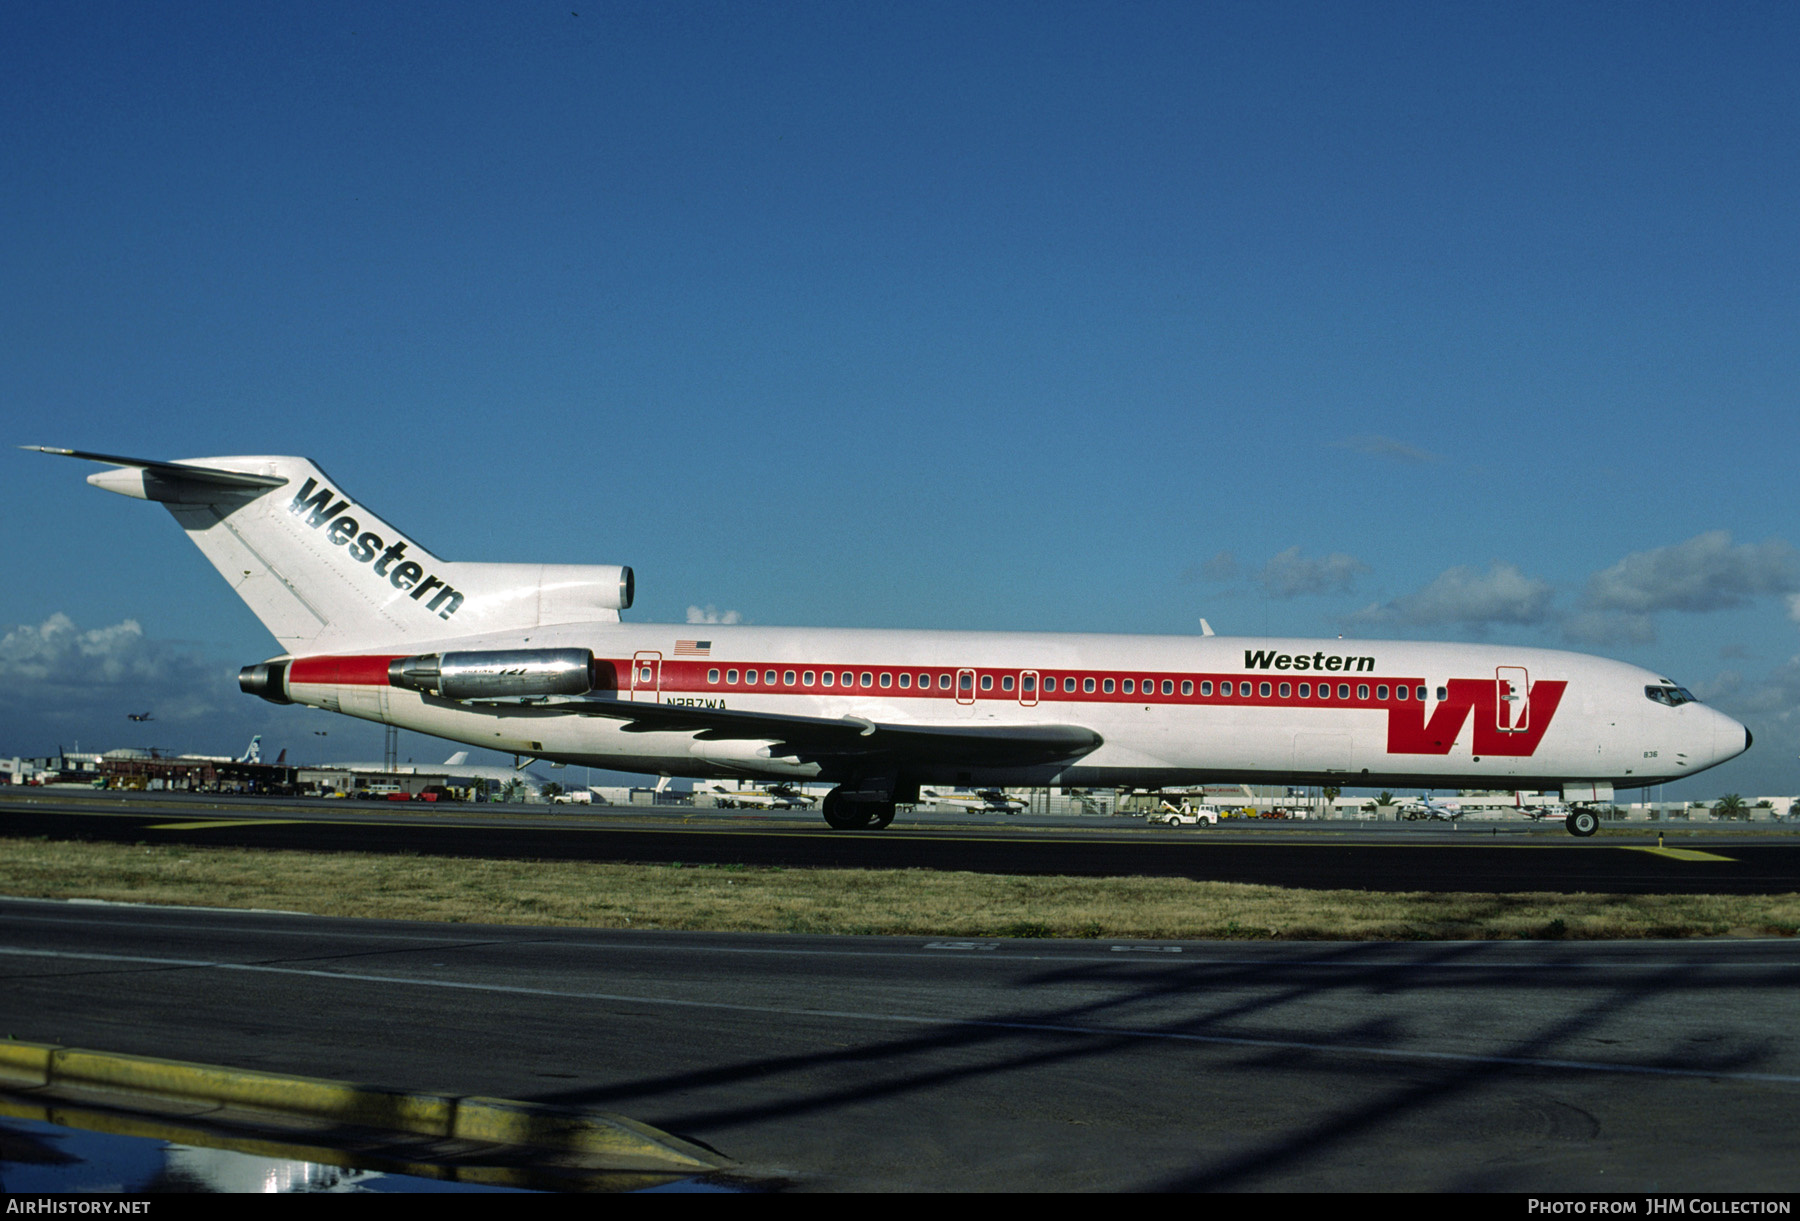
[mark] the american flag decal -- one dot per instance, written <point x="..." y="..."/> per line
<point x="693" y="648"/>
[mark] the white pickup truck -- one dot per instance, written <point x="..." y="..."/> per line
<point x="1185" y="815"/>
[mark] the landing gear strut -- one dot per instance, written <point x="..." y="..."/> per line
<point x="846" y="815"/>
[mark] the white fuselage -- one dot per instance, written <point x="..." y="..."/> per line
<point x="1168" y="710"/>
<point x="880" y="712"/>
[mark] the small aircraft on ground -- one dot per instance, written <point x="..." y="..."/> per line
<point x="1427" y="807"/>
<point x="982" y="801"/>
<point x="775" y="797"/>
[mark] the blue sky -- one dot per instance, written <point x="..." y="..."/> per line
<point x="1409" y="320"/>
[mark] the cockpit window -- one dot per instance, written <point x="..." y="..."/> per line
<point x="1670" y="694"/>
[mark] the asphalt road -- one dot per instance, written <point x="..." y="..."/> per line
<point x="908" y="1064"/>
<point x="1496" y="858"/>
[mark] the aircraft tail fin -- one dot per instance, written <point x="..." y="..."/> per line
<point x="325" y="574"/>
<point x="458" y="759"/>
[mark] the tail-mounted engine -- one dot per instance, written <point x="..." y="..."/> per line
<point x="267" y="679"/>
<point x="496" y="674"/>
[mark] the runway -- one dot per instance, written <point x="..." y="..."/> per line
<point x="913" y="1064"/>
<point x="1382" y="857"/>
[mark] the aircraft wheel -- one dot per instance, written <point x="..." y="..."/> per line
<point x="846" y="815"/>
<point x="1582" y="823"/>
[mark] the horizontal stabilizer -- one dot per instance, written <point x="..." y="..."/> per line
<point x="170" y="482"/>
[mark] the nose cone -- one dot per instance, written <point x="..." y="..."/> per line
<point x="1730" y="738"/>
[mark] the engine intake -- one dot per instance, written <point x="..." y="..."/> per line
<point x="496" y="674"/>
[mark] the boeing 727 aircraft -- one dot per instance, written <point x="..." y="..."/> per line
<point x="533" y="659"/>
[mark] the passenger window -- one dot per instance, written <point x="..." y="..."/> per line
<point x="1030" y="683"/>
<point x="1168" y="686"/>
<point x="1128" y="686"/>
<point x="1087" y="685"/>
<point x="1421" y="694"/>
<point x="1305" y="691"/>
<point x="943" y="682"/>
<point x="1404" y="693"/>
<point x="787" y="678"/>
<point x="1263" y="690"/>
<point x="887" y="680"/>
<point x="1381" y="692"/>
<point x="1226" y="688"/>
<point x="1286" y="690"/>
<point x="828" y="678"/>
<point x="849" y="679"/>
<point x="1362" y="691"/>
<point x="1187" y="686"/>
<point x="1069" y="685"/>
<point x="1006" y="682"/>
<point x="1206" y="687"/>
<point x="1106" y="685"/>
<point x="1443" y="693"/>
<point x="1343" y="691"/>
<point x="807" y="678"/>
<point x="868" y="679"/>
<point x="965" y="682"/>
<point x="987" y="682"/>
<point x="750" y="678"/>
<point x="769" y="677"/>
<point x="905" y="681"/>
<point x="712" y="676"/>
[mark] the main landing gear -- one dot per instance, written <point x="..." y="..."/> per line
<point x="1582" y="822"/>
<point x="850" y="812"/>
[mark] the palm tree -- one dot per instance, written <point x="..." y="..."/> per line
<point x="1731" y="806"/>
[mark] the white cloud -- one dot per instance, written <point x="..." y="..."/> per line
<point x="57" y="651"/>
<point x="1776" y="695"/>
<point x="712" y="615"/>
<point x="1290" y="574"/>
<point x="1706" y="573"/>
<point x="1471" y="599"/>
<point x="56" y="675"/>
<point x="1222" y="567"/>
<point x="1602" y="628"/>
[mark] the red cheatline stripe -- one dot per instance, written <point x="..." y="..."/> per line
<point x="342" y="671"/>
<point x="692" y="676"/>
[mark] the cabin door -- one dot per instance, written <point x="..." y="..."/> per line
<point x="646" y="678"/>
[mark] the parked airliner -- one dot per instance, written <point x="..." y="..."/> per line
<point x="533" y="659"/>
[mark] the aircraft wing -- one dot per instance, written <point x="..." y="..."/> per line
<point x="825" y="739"/>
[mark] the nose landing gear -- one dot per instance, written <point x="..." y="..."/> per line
<point x="1582" y="822"/>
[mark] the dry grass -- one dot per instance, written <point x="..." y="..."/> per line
<point x="847" y="901"/>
